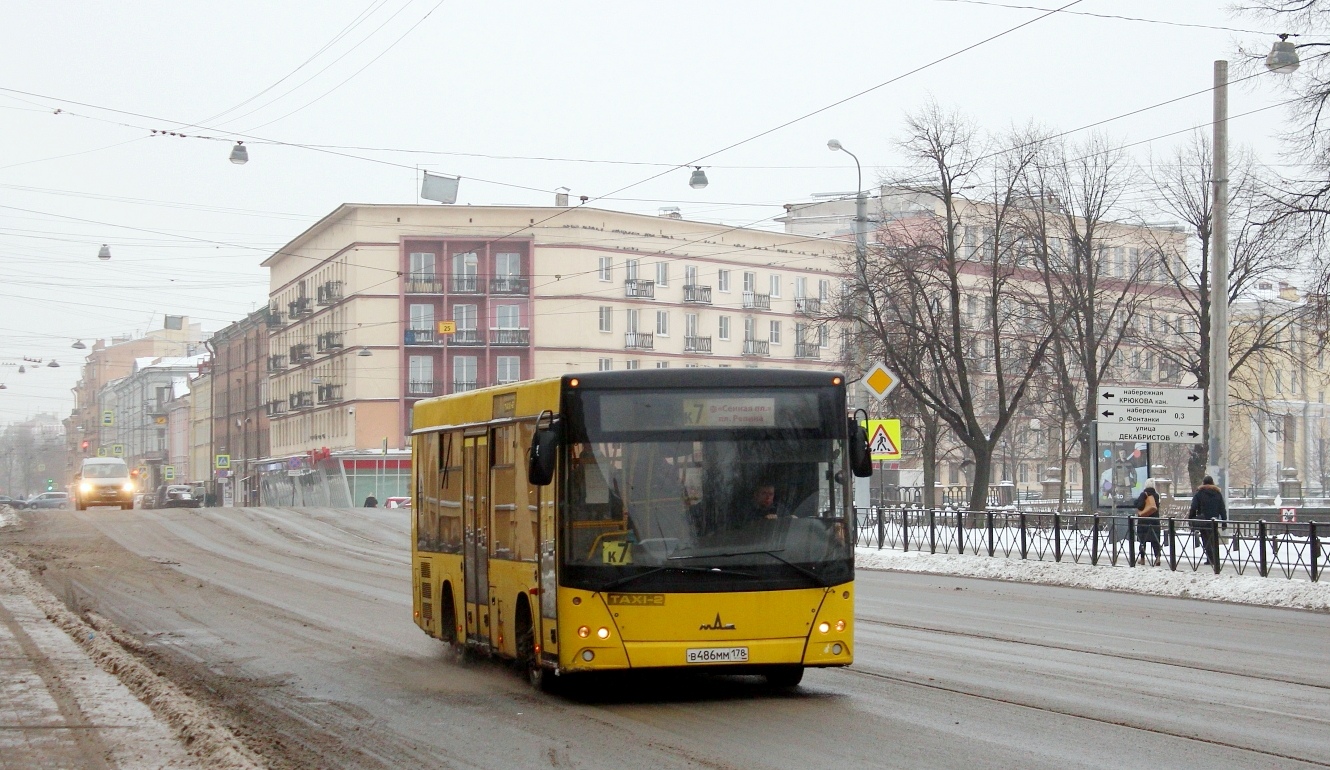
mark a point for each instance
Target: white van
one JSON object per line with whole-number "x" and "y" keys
{"x": 103, "y": 481}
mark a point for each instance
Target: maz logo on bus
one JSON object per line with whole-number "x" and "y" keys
{"x": 716, "y": 625}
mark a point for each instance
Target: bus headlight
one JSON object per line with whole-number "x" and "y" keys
{"x": 840, "y": 625}
{"x": 824, "y": 627}
{"x": 583, "y": 632}
{"x": 603, "y": 633}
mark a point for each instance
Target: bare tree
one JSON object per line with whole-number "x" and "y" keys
{"x": 1263, "y": 247}
{"x": 947, "y": 313}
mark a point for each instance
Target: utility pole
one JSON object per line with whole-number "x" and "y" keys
{"x": 1218, "y": 396}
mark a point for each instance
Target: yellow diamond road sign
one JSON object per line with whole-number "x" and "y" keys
{"x": 880, "y": 381}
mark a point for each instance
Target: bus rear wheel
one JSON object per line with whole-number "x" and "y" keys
{"x": 785, "y": 677}
{"x": 448, "y": 618}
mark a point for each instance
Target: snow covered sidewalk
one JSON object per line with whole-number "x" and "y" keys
{"x": 1271, "y": 592}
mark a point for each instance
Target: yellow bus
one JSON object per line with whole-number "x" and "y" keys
{"x": 646, "y": 519}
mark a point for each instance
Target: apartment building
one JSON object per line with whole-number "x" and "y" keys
{"x": 135, "y": 411}
{"x": 378, "y": 306}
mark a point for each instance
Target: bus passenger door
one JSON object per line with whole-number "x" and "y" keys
{"x": 475, "y": 514}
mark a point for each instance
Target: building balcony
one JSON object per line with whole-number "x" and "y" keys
{"x": 510, "y": 337}
{"x": 807, "y": 305}
{"x": 276, "y": 408}
{"x": 299, "y": 307}
{"x": 424, "y": 388}
{"x": 330, "y": 292}
{"x": 464, "y": 284}
{"x": 697, "y": 344}
{"x": 329, "y": 394}
{"x": 300, "y": 353}
{"x": 510, "y": 284}
{"x": 330, "y": 341}
{"x": 154, "y": 455}
{"x": 424, "y": 283}
{"x": 301, "y": 399}
{"x": 636, "y": 288}
{"x": 276, "y": 363}
{"x": 757, "y": 347}
{"x": 807, "y": 350}
{"x": 422, "y": 337}
{"x": 754, "y": 301}
{"x": 462, "y": 386}
{"x": 275, "y": 318}
{"x": 466, "y": 338}
{"x": 700, "y": 295}
{"x": 639, "y": 341}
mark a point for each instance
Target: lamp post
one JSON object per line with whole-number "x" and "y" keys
{"x": 860, "y": 213}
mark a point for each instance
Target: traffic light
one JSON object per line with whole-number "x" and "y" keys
{"x": 50, "y": 485}
{"x": 84, "y": 445}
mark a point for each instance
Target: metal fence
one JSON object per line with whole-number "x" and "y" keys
{"x": 1268, "y": 549}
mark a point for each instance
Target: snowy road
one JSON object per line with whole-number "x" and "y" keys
{"x": 297, "y": 625}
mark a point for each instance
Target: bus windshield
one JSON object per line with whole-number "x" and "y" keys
{"x": 684, "y": 490}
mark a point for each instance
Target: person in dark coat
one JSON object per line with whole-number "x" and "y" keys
{"x": 1147, "y": 522}
{"x": 1207, "y": 504}
{"x": 371, "y": 502}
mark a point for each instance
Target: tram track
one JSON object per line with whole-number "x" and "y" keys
{"x": 1133, "y": 657}
{"x": 939, "y": 687}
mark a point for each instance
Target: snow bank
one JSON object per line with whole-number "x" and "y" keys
{"x": 8, "y": 517}
{"x": 1155, "y": 581}
{"x": 197, "y": 726}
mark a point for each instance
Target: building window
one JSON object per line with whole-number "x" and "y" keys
{"x": 464, "y": 373}
{"x": 422, "y": 317}
{"x": 690, "y": 325}
{"x": 465, "y": 264}
{"x": 663, "y": 323}
{"x": 510, "y": 369}
{"x": 422, "y": 263}
{"x": 508, "y": 317}
{"x": 507, "y": 265}
{"x": 465, "y": 317}
{"x": 630, "y": 321}
{"x": 775, "y": 333}
{"x": 775, "y": 285}
{"x": 632, "y": 363}
{"x": 630, "y": 269}
{"x": 662, "y": 273}
{"x": 823, "y": 289}
{"x": 723, "y": 280}
{"x": 750, "y": 281}
{"x": 723, "y": 330}
{"x": 606, "y": 318}
{"x": 800, "y": 287}
{"x": 662, "y": 364}
{"x": 604, "y": 364}
{"x": 690, "y": 275}
{"x": 606, "y": 271}
{"x": 421, "y": 374}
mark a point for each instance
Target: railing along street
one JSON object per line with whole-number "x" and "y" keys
{"x": 1268, "y": 549}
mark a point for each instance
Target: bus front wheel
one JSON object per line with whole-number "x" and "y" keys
{"x": 528, "y": 661}
{"x": 785, "y": 677}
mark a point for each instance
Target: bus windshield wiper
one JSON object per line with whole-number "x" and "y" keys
{"x": 613, "y": 584}
{"x": 773, "y": 553}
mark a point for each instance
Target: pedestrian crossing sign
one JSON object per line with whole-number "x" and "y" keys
{"x": 884, "y": 439}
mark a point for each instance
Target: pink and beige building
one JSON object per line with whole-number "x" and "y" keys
{"x": 378, "y": 306}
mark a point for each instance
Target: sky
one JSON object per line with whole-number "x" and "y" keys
{"x": 347, "y": 100}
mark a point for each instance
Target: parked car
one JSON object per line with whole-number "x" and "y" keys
{"x": 48, "y": 500}
{"x": 175, "y": 496}
{"x": 12, "y": 502}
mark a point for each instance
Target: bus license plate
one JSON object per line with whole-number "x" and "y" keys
{"x": 718, "y": 655}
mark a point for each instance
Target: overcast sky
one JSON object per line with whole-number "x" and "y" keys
{"x": 560, "y": 89}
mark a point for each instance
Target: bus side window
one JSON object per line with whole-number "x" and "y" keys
{"x": 426, "y": 502}
{"x": 503, "y": 492}
{"x": 450, "y": 492}
{"x": 528, "y": 495}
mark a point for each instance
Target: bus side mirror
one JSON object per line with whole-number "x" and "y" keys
{"x": 540, "y": 458}
{"x": 861, "y": 460}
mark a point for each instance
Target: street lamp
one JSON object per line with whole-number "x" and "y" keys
{"x": 860, "y": 212}
{"x": 104, "y": 253}
{"x": 1283, "y": 59}
{"x": 699, "y": 178}
{"x": 239, "y": 155}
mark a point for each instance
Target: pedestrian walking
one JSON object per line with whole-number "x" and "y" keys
{"x": 371, "y": 502}
{"x": 1207, "y": 504}
{"x": 1147, "y": 522}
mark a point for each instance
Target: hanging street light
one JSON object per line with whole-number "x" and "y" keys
{"x": 78, "y": 345}
{"x": 239, "y": 154}
{"x": 53, "y": 364}
{"x": 699, "y": 178}
{"x": 22, "y": 369}
{"x": 365, "y": 352}
{"x": 104, "y": 253}
{"x": 1283, "y": 57}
